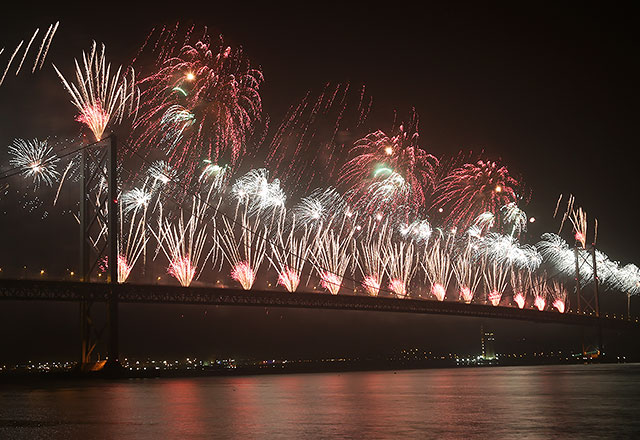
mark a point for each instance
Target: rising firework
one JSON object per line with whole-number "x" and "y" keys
{"x": 36, "y": 160}
{"x": 472, "y": 189}
{"x": 100, "y": 97}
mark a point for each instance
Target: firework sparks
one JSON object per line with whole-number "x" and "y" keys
{"x": 132, "y": 240}
{"x": 389, "y": 171}
{"x": 325, "y": 121}
{"x": 559, "y": 295}
{"x": 162, "y": 173}
{"x": 183, "y": 243}
{"x": 289, "y": 254}
{"x": 372, "y": 259}
{"x": 472, "y": 189}
{"x": 467, "y": 272}
{"x": 400, "y": 264}
{"x": 36, "y": 159}
{"x": 332, "y": 255}
{"x": 496, "y": 277}
{"x": 135, "y": 199}
{"x": 539, "y": 290}
{"x": 514, "y": 219}
{"x": 101, "y": 98}
{"x": 520, "y": 284}
{"x": 436, "y": 264}
{"x": 320, "y": 207}
{"x": 244, "y": 247}
{"x": 202, "y": 102}
{"x": 260, "y": 195}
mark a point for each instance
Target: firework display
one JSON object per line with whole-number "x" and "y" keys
{"x": 36, "y": 159}
{"x": 99, "y": 96}
{"x": 323, "y": 202}
{"x": 200, "y": 101}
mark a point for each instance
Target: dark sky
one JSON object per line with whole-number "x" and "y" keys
{"x": 550, "y": 89}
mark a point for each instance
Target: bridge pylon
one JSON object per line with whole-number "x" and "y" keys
{"x": 99, "y": 248}
{"x": 588, "y": 297}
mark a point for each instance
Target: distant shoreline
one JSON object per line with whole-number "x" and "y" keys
{"x": 27, "y": 377}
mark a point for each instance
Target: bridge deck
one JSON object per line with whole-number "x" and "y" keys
{"x": 162, "y": 294}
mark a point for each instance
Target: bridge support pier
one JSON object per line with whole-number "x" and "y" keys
{"x": 99, "y": 247}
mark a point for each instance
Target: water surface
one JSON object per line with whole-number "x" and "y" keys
{"x": 564, "y": 402}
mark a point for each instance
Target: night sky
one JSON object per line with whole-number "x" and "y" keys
{"x": 551, "y": 90}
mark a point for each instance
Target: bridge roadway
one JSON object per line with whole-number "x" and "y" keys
{"x": 162, "y": 294}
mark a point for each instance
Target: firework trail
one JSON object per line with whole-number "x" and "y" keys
{"x": 496, "y": 278}
{"x": 467, "y": 270}
{"x": 36, "y": 159}
{"x": 332, "y": 254}
{"x": 289, "y": 254}
{"x": 472, "y": 189}
{"x": 101, "y": 98}
{"x": 40, "y": 57}
{"x": 520, "y": 285}
{"x": 389, "y": 171}
{"x": 400, "y": 264}
{"x": 436, "y": 264}
{"x": 133, "y": 239}
{"x": 372, "y": 259}
{"x": 183, "y": 243}
{"x": 244, "y": 248}
{"x": 311, "y": 143}
{"x": 201, "y": 102}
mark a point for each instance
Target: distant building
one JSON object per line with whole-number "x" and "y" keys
{"x": 487, "y": 342}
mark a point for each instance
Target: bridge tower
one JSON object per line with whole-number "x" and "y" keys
{"x": 99, "y": 246}
{"x": 588, "y": 298}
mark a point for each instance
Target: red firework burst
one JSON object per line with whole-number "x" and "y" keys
{"x": 386, "y": 172}
{"x": 472, "y": 189}
{"x": 201, "y": 103}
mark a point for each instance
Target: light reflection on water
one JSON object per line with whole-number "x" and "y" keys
{"x": 578, "y": 401}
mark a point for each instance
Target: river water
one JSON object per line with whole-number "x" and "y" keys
{"x": 542, "y": 402}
